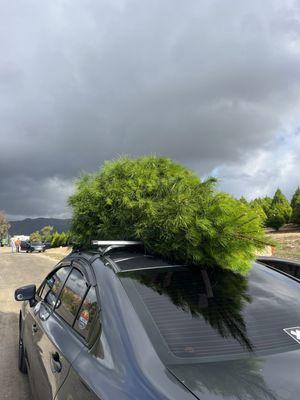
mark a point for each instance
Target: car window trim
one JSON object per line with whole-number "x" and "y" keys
{"x": 88, "y": 286}
{"x": 86, "y": 269}
{"x": 62, "y": 265}
{"x": 89, "y": 344}
{"x": 63, "y": 285}
{"x": 83, "y": 266}
{"x": 78, "y": 311}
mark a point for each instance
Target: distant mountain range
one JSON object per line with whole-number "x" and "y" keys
{"x": 29, "y": 225}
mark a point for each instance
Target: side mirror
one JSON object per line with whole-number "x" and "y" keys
{"x": 25, "y": 293}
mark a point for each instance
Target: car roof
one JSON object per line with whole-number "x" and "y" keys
{"x": 125, "y": 260}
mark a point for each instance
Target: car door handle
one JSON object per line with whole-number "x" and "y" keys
{"x": 34, "y": 328}
{"x": 56, "y": 366}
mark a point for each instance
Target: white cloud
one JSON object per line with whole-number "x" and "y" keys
{"x": 261, "y": 172}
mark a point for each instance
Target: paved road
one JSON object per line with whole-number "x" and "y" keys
{"x": 15, "y": 270}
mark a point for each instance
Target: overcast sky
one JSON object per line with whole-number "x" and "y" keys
{"x": 212, "y": 84}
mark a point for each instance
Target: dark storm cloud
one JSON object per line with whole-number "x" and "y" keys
{"x": 80, "y": 82}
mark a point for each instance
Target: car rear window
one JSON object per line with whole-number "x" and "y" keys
{"x": 204, "y": 312}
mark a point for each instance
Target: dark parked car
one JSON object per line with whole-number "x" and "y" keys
{"x": 25, "y": 246}
{"x": 47, "y": 245}
{"x": 117, "y": 324}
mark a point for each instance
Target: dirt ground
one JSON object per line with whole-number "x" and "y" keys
{"x": 15, "y": 270}
{"x": 287, "y": 244}
{"x": 58, "y": 253}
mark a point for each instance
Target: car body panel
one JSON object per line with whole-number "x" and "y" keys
{"x": 25, "y": 246}
{"x": 124, "y": 362}
{"x": 273, "y": 377}
{"x": 37, "y": 247}
{"x": 288, "y": 267}
{"x": 49, "y": 338}
{"x": 118, "y": 367}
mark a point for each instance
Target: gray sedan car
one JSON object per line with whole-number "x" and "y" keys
{"x": 117, "y": 324}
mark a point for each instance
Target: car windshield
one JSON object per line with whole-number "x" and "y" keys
{"x": 36, "y": 243}
{"x": 210, "y": 312}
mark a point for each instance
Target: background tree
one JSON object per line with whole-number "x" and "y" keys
{"x": 264, "y": 203}
{"x": 279, "y": 212}
{"x": 295, "y": 197}
{"x": 259, "y": 206}
{"x": 4, "y": 225}
{"x": 295, "y": 203}
{"x": 243, "y": 200}
{"x": 35, "y": 237}
{"x": 167, "y": 207}
{"x": 46, "y": 233}
{"x": 280, "y": 199}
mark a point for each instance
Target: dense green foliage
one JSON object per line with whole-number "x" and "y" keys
{"x": 56, "y": 239}
{"x": 4, "y": 225}
{"x": 35, "y": 237}
{"x": 167, "y": 207}
{"x": 263, "y": 204}
{"x": 295, "y": 197}
{"x": 279, "y": 212}
{"x": 295, "y": 203}
{"x": 61, "y": 239}
{"x": 46, "y": 233}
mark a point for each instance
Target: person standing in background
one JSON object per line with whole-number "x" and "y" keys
{"x": 18, "y": 245}
{"x": 13, "y": 245}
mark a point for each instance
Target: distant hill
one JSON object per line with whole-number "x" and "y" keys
{"x": 29, "y": 225}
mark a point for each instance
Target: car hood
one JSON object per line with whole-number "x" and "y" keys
{"x": 273, "y": 377}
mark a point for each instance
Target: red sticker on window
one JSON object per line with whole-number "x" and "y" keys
{"x": 83, "y": 319}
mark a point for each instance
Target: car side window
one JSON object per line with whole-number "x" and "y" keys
{"x": 53, "y": 284}
{"x": 71, "y": 296}
{"x": 87, "y": 323}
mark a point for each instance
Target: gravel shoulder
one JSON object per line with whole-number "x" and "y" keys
{"x": 15, "y": 270}
{"x": 287, "y": 244}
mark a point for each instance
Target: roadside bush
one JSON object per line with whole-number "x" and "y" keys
{"x": 55, "y": 240}
{"x": 61, "y": 239}
{"x": 167, "y": 207}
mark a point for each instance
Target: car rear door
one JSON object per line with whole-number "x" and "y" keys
{"x": 88, "y": 326}
{"x": 56, "y": 344}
